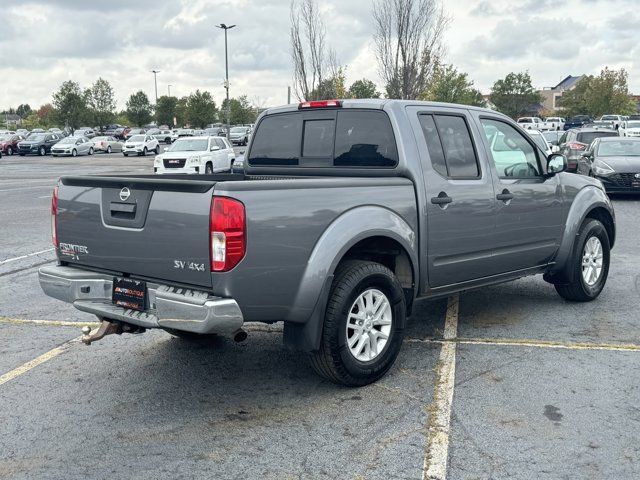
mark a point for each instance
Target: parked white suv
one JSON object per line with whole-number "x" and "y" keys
{"x": 163, "y": 135}
{"x": 615, "y": 120}
{"x": 140, "y": 145}
{"x": 205, "y": 155}
{"x": 630, "y": 128}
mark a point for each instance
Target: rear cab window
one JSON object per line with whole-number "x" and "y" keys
{"x": 349, "y": 138}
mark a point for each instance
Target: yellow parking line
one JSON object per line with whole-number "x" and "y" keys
{"x": 514, "y": 342}
{"x": 437, "y": 450}
{"x": 50, "y": 323}
{"x": 16, "y": 372}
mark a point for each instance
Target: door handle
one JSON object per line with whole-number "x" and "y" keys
{"x": 441, "y": 199}
{"x": 505, "y": 196}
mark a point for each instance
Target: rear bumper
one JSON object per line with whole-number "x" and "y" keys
{"x": 170, "y": 307}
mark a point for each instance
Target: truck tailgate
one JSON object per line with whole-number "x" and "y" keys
{"x": 142, "y": 226}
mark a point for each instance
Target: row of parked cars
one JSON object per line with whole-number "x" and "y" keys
{"x": 612, "y": 156}
{"x": 616, "y": 122}
{"x": 238, "y": 134}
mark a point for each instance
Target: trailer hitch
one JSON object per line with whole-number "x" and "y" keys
{"x": 108, "y": 328}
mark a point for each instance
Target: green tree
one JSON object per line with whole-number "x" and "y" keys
{"x": 514, "y": 95}
{"x": 241, "y": 111}
{"x": 363, "y": 89}
{"x": 23, "y": 110}
{"x": 101, "y": 102}
{"x": 70, "y": 105}
{"x": 139, "y": 108}
{"x": 332, "y": 87}
{"x": 181, "y": 111}
{"x": 450, "y": 86}
{"x": 599, "y": 95}
{"x": 201, "y": 109}
{"x": 166, "y": 110}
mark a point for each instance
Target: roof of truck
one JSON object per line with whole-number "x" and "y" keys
{"x": 379, "y": 103}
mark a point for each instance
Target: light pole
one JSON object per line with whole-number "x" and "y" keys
{"x": 226, "y": 67}
{"x": 169, "y": 89}
{"x": 155, "y": 81}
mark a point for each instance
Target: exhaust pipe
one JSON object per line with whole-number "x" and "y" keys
{"x": 240, "y": 336}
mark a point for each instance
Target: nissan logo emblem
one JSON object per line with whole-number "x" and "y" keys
{"x": 125, "y": 193}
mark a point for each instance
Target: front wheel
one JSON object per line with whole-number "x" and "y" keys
{"x": 109, "y": 149}
{"x": 9, "y": 151}
{"x": 144, "y": 152}
{"x": 589, "y": 264}
{"x": 208, "y": 169}
{"x": 125, "y": 154}
{"x": 157, "y": 150}
{"x": 363, "y": 326}
{"x": 42, "y": 151}
{"x": 90, "y": 150}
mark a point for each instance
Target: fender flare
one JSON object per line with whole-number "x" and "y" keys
{"x": 303, "y": 325}
{"x": 587, "y": 200}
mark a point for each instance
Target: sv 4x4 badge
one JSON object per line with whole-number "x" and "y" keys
{"x": 183, "y": 265}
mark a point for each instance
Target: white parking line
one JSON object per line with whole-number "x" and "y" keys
{"x": 24, "y": 368}
{"x": 8, "y": 260}
{"x": 437, "y": 451}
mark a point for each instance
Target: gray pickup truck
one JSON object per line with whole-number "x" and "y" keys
{"x": 347, "y": 213}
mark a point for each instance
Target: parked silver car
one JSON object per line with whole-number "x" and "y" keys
{"x": 72, "y": 146}
{"x": 106, "y": 144}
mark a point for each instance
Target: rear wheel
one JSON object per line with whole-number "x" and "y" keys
{"x": 157, "y": 150}
{"x": 363, "y": 326}
{"x": 90, "y": 150}
{"x": 208, "y": 169}
{"x": 144, "y": 152}
{"x": 9, "y": 151}
{"x": 74, "y": 153}
{"x": 109, "y": 149}
{"x": 589, "y": 264}
{"x": 125, "y": 154}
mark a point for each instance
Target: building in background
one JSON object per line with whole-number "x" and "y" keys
{"x": 551, "y": 95}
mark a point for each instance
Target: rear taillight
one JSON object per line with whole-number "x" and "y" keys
{"x": 54, "y": 217}
{"x": 228, "y": 238}
{"x": 577, "y": 146}
{"x": 320, "y": 104}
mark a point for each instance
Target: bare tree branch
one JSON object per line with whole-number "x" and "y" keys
{"x": 408, "y": 42}
{"x": 310, "y": 55}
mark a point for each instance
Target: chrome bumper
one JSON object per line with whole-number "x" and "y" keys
{"x": 170, "y": 307}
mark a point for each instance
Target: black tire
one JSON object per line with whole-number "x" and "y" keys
{"x": 90, "y": 150}
{"x": 157, "y": 149}
{"x": 9, "y": 151}
{"x": 42, "y": 151}
{"x": 74, "y": 153}
{"x": 125, "y": 154}
{"x": 579, "y": 290}
{"x": 109, "y": 149}
{"x": 208, "y": 169}
{"x": 22, "y": 154}
{"x": 334, "y": 360}
{"x": 144, "y": 152}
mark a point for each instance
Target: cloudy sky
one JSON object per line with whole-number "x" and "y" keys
{"x": 43, "y": 43}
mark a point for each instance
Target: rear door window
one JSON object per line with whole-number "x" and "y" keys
{"x": 364, "y": 139}
{"x": 588, "y": 137}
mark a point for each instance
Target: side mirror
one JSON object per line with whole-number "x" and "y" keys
{"x": 556, "y": 163}
{"x": 78, "y": 142}
{"x": 215, "y": 148}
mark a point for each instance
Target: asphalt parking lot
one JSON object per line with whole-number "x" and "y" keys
{"x": 505, "y": 382}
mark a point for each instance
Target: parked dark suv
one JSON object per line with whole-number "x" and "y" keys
{"x": 38, "y": 144}
{"x": 577, "y": 122}
{"x": 574, "y": 143}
